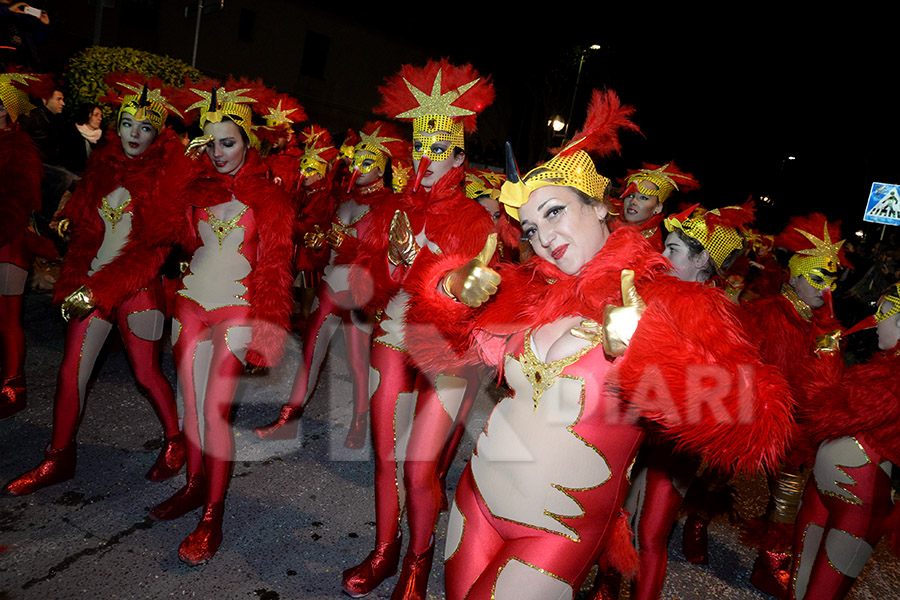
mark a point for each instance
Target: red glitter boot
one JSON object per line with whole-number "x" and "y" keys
{"x": 380, "y": 564}
{"x": 57, "y": 466}
{"x": 170, "y": 460}
{"x": 12, "y": 396}
{"x": 185, "y": 500}
{"x": 202, "y": 544}
{"x": 413, "y": 583}
{"x": 284, "y": 427}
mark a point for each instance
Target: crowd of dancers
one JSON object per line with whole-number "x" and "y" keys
{"x": 642, "y": 352}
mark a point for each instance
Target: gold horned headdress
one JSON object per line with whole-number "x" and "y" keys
{"x": 144, "y": 98}
{"x": 378, "y": 142}
{"x": 719, "y": 231}
{"x": 573, "y": 166}
{"x": 667, "y": 179}
{"x": 14, "y": 89}
{"x": 232, "y": 102}
{"x": 816, "y": 259}
{"x": 442, "y": 101}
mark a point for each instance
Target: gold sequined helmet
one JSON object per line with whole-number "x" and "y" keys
{"x": 573, "y": 166}
{"x": 442, "y": 101}
{"x": 280, "y": 112}
{"x": 666, "y": 178}
{"x": 345, "y": 152}
{"x": 816, "y": 257}
{"x": 144, "y": 98}
{"x": 14, "y": 89}
{"x": 719, "y": 231}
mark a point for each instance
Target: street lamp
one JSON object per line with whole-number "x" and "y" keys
{"x": 584, "y": 53}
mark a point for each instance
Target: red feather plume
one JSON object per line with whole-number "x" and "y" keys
{"x": 814, "y": 223}
{"x": 396, "y": 97}
{"x": 600, "y": 134}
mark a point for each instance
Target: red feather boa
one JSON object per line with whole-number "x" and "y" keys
{"x": 21, "y": 171}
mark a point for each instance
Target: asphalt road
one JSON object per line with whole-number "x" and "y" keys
{"x": 297, "y": 512}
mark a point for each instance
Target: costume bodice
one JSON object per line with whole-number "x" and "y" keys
{"x": 227, "y": 254}
{"x": 116, "y": 212}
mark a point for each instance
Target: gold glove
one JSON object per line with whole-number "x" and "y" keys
{"x": 589, "y": 330}
{"x": 335, "y": 238}
{"x": 313, "y": 241}
{"x": 619, "y": 322}
{"x": 829, "y": 343}
{"x": 474, "y": 282}
{"x": 403, "y": 248}
{"x": 197, "y": 145}
{"x": 62, "y": 227}
{"x": 78, "y": 304}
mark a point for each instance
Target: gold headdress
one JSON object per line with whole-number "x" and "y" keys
{"x": 573, "y": 166}
{"x": 378, "y": 142}
{"x": 813, "y": 256}
{"x": 483, "y": 183}
{"x": 667, "y": 179}
{"x": 442, "y": 100}
{"x": 220, "y": 103}
{"x": 14, "y": 98}
{"x": 892, "y": 295}
{"x": 717, "y": 230}
{"x": 401, "y": 172}
{"x": 318, "y": 151}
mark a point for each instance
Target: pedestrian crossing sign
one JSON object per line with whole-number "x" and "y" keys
{"x": 884, "y": 204}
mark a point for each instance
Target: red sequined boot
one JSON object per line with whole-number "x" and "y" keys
{"x": 57, "y": 466}
{"x": 202, "y": 544}
{"x": 380, "y": 564}
{"x": 284, "y": 427}
{"x": 170, "y": 460}
{"x": 12, "y": 396}
{"x": 185, "y": 500}
{"x": 413, "y": 583}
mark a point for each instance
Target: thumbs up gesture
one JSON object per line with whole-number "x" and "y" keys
{"x": 403, "y": 248}
{"x": 474, "y": 282}
{"x": 619, "y": 322}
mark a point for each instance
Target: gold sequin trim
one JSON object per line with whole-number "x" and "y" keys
{"x": 543, "y": 375}
{"x": 530, "y": 565}
{"x": 113, "y": 215}
{"x": 800, "y": 306}
{"x": 223, "y": 228}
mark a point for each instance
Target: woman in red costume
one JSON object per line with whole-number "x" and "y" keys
{"x": 435, "y": 221}
{"x": 233, "y": 308}
{"x": 795, "y": 332}
{"x": 282, "y": 153}
{"x": 847, "y": 502}
{"x": 539, "y": 500}
{"x": 645, "y": 191}
{"x": 379, "y": 142}
{"x": 110, "y": 277}
{"x": 315, "y": 206}
{"x": 21, "y": 171}
{"x": 701, "y": 246}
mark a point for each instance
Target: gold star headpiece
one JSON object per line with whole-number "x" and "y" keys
{"x": 667, "y": 179}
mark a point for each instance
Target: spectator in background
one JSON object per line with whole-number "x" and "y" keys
{"x": 47, "y": 127}
{"x": 82, "y": 137}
